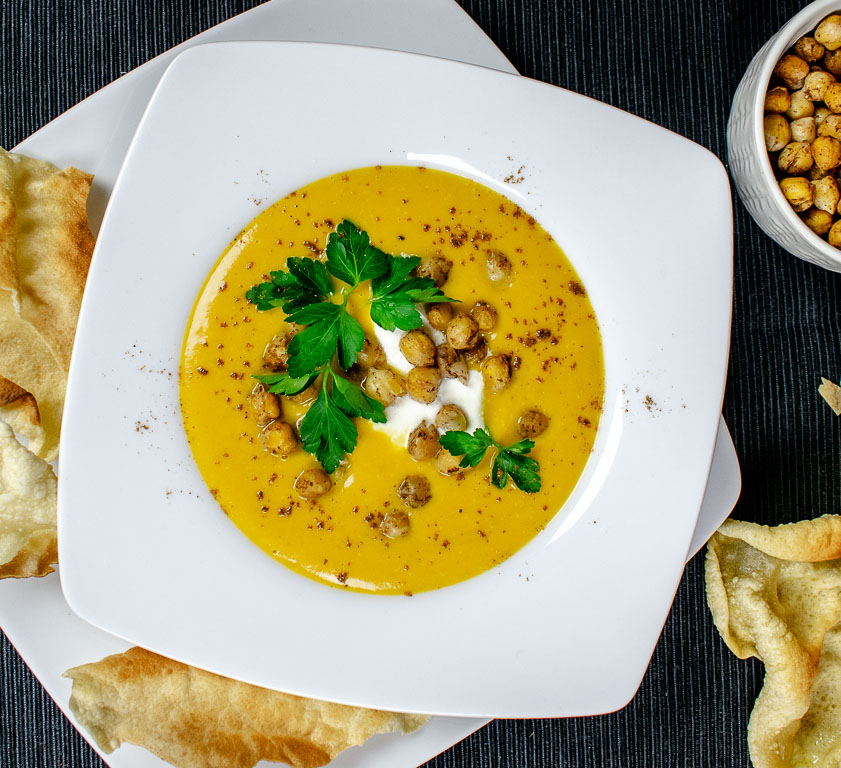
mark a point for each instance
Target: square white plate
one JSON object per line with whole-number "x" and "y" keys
{"x": 147, "y": 554}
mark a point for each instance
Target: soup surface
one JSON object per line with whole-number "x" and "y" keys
{"x": 545, "y": 325}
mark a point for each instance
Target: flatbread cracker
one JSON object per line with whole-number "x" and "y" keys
{"x": 831, "y": 392}
{"x": 194, "y": 719}
{"x": 45, "y": 251}
{"x": 27, "y": 510}
{"x": 775, "y": 593}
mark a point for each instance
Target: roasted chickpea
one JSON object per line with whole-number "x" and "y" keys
{"x": 384, "y": 385}
{"x": 804, "y": 129}
{"x": 499, "y": 266}
{"x": 826, "y": 152}
{"x": 462, "y": 332}
{"x": 814, "y": 86}
{"x": 821, "y": 113}
{"x": 451, "y": 364}
{"x": 418, "y": 348}
{"x": 800, "y": 106}
{"x": 478, "y": 352}
{"x": 820, "y": 222}
{"x": 423, "y": 442}
{"x": 423, "y": 383}
{"x": 450, "y": 418}
{"x": 826, "y": 194}
{"x": 414, "y": 491}
{"x": 808, "y": 49}
{"x": 496, "y": 371}
{"x": 795, "y": 158}
{"x": 832, "y": 62}
{"x": 485, "y": 315}
{"x": 798, "y": 191}
{"x": 449, "y": 465}
{"x": 792, "y": 70}
{"x": 777, "y": 131}
{"x": 264, "y": 405}
{"x": 437, "y": 268}
{"x": 395, "y": 524}
{"x": 832, "y": 97}
{"x": 312, "y": 483}
{"x": 372, "y": 355}
{"x": 835, "y": 234}
{"x": 830, "y": 126}
{"x": 439, "y": 315}
{"x": 777, "y": 100}
{"x": 532, "y": 423}
{"x": 276, "y": 355}
{"x": 828, "y": 33}
{"x": 279, "y": 438}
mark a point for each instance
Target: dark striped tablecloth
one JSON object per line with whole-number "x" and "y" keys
{"x": 677, "y": 63}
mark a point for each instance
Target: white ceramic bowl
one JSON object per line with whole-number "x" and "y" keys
{"x": 748, "y": 157}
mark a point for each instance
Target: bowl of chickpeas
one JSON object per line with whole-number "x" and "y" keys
{"x": 784, "y": 136}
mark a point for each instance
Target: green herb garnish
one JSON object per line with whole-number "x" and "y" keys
{"x": 508, "y": 461}
{"x": 304, "y": 294}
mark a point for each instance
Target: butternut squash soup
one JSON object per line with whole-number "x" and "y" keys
{"x": 392, "y": 379}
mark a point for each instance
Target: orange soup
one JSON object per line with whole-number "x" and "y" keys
{"x": 543, "y": 330}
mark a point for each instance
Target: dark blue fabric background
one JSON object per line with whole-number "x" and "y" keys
{"x": 677, "y": 63}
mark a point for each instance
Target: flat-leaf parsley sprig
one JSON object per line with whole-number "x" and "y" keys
{"x": 305, "y": 293}
{"x": 513, "y": 461}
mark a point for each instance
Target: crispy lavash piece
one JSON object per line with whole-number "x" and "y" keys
{"x": 195, "y": 719}
{"x": 27, "y": 510}
{"x": 831, "y": 392}
{"x": 20, "y": 411}
{"x": 45, "y": 251}
{"x": 775, "y": 593}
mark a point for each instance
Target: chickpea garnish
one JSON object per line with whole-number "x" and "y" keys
{"x": 449, "y": 465}
{"x": 777, "y": 132}
{"x": 264, "y": 405}
{"x": 809, "y": 49}
{"x": 802, "y": 129}
{"x": 835, "y": 234}
{"x": 478, "y": 352}
{"x": 414, "y": 491}
{"x": 450, "y": 418}
{"x": 795, "y": 158}
{"x": 832, "y": 62}
{"x": 418, "y": 348}
{"x": 815, "y": 84}
{"x": 423, "y": 383}
{"x": 395, "y": 524}
{"x": 792, "y": 70}
{"x": 532, "y": 423}
{"x": 496, "y": 371}
{"x": 372, "y": 355}
{"x": 384, "y": 385}
{"x": 826, "y": 152}
{"x": 832, "y": 97}
{"x": 423, "y": 442}
{"x": 462, "y": 332}
{"x": 499, "y": 266}
{"x": 830, "y": 126}
{"x": 799, "y": 192}
{"x": 821, "y": 113}
{"x": 312, "y": 483}
{"x": 485, "y": 315}
{"x": 820, "y": 222}
{"x": 279, "y": 438}
{"x": 826, "y": 194}
{"x": 439, "y": 315}
{"x": 437, "y": 268}
{"x": 828, "y": 33}
{"x": 778, "y": 100}
{"x": 276, "y": 355}
{"x": 451, "y": 364}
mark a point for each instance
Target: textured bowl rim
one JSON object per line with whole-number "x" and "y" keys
{"x": 802, "y": 22}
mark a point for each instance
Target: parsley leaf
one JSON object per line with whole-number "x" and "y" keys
{"x": 351, "y": 339}
{"x": 327, "y": 432}
{"x": 523, "y": 470}
{"x": 284, "y": 384}
{"x": 351, "y": 257}
{"x": 305, "y": 283}
{"x": 315, "y": 345}
{"x": 394, "y": 295}
{"x": 354, "y": 402}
